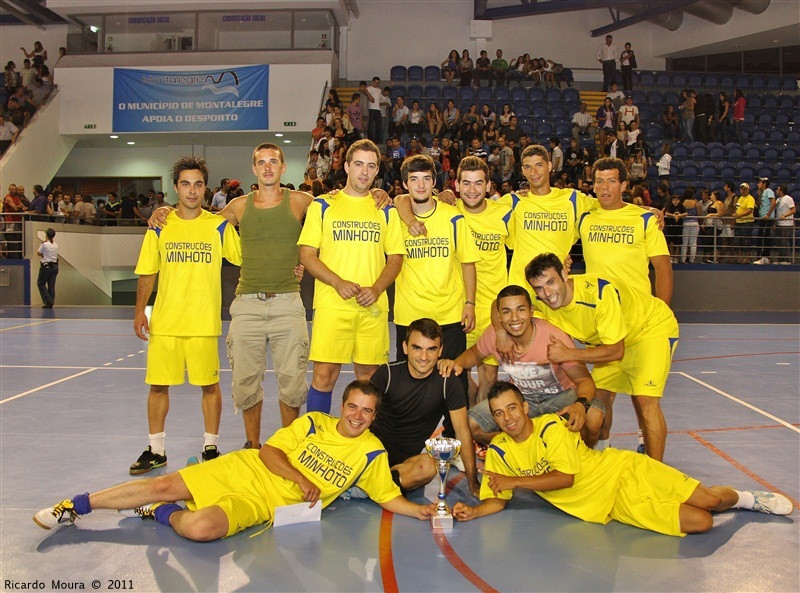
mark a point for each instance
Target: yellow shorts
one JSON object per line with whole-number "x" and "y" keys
{"x": 169, "y": 356}
{"x": 343, "y": 337}
{"x": 236, "y": 482}
{"x": 650, "y": 496}
{"x": 643, "y": 370}
{"x": 483, "y": 319}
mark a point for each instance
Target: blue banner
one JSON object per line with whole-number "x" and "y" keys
{"x": 194, "y": 101}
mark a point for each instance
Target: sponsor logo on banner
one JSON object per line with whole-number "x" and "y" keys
{"x": 192, "y": 101}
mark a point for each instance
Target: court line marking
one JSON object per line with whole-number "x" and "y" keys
{"x": 23, "y": 394}
{"x": 742, "y": 402}
{"x": 388, "y": 575}
{"x": 5, "y": 329}
{"x": 749, "y": 355}
{"x": 742, "y": 468}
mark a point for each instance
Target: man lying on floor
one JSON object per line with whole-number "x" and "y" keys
{"x": 542, "y": 455}
{"x": 315, "y": 459}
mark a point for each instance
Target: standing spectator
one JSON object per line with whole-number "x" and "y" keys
{"x": 784, "y": 225}
{"x": 483, "y": 69}
{"x": 607, "y": 55}
{"x": 606, "y": 120}
{"x": 739, "y": 104}
{"x": 664, "y": 164}
{"x": 450, "y": 67}
{"x": 11, "y": 79}
{"x": 385, "y": 103}
{"x": 766, "y": 219}
{"x": 674, "y": 213}
{"x": 127, "y": 210}
{"x": 8, "y": 133}
{"x": 701, "y": 117}
{"x": 354, "y": 113}
{"x": 627, "y": 62}
{"x": 465, "y": 68}
{"x": 220, "y": 199}
{"x": 28, "y": 74}
{"x": 374, "y": 121}
{"x": 500, "y": 69}
{"x": 744, "y": 223}
{"x": 583, "y": 123}
{"x": 13, "y": 222}
{"x": 112, "y": 209}
{"x": 48, "y": 270}
{"x": 724, "y": 117}
{"x": 687, "y": 111}
{"x": 40, "y": 205}
{"x": 556, "y": 157}
{"x": 690, "y": 229}
{"x": 38, "y": 54}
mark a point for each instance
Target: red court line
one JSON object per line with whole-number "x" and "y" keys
{"x": 388, "y": 576}
{"x": 461, "y": 566}
{"x": 749, "y": 355}
{"x": 742, "y": 468}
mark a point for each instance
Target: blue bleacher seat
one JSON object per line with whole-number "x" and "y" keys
{"x": 519, "y": 93}
{"x": 528, "y": 128}
{"x": 414, "y": 91}
{"x": 416, "y": 73}
{"x": 501, "y": 94}
{"x": 775, "y": 137}
{"x": 552, "y": 95}
{"x": 727, "y": 172}
{"x": 662, "y": 80}
{"x": 679, "y": 81}
{"x": 753, "y": 101}
{"x": 708, "y": 172}
{"x": 484, "y": 94}
{"x": 726, "y": 83}
{"x": 770, "y": 154}
{"x": 680, "y": 151}
{"x": 522, "y": 110}
{"x": 654, "y": 134}
{"x": 698, "y": 151}
{"x": 646, "y": 79}
{"x": 789, "y": 84}
{"x": 571, "y": 94}
{"x": 572, "y": 107}
{"x": 758, "y": 83}
{"x": 742, "y": 82}
{"x": 796, "y": 173}
{"x": 449, "y": 92}
{"x": 782, "y": 118}
{"x": 749, "y": 118}
{"x": 745, "y": 171}
{"x": 433, "y": 91}
{"x": 544, "y": 129}
{"x": 689, "y": 171}
{"x": 733, "y": 151}
{"x": 432, "y": 74}
{"x": 793, "y": 138}
{"x": 752, "y": 153}
{"x": 769, "y": 102}
{"x": 773, "y": 83}
{"x": 466, "y": 93}
{"x": 655, "y": 98}
{"x": 764, "y": 119}
{"x": 716, "y": 152}
{"x": 788, "y": 155}
{"x": 764, "y": 170}
{"x": 782, "y": 174}
{"x": 710, "y": 82}
{"x": 648, "y": 114}
{"x": 758, "y": 136}
{"x": 695, "y": 81}
{"x": 672, "y": 98}
{"x": 398, "y": 73}
{"x": 785, "y": 102}
{"x": 395, "y": 91}
{"x": 563, "y": 130}
{"x": 557, "y": 111}
{"x": 536, "y": 93}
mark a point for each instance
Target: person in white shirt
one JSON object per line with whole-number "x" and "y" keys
{"x": 607, "y": 55}
{"x": 784, "y": 225}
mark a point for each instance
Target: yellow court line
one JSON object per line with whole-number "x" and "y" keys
{"x": 29, "y": 324}
{"x": 13, "y": 397}
{"x": 744, "y": 403}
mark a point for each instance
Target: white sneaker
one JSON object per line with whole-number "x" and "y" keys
{"x": 458, "y": 463}
{"x": 63, "y": 512}
{"x": 761, "y": 262}
{"x": 771, "y": 503}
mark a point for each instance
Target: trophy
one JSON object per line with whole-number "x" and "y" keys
{"x": 443, "y": 450}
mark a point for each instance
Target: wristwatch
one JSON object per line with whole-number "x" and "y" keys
{"x": 584, "y": 402}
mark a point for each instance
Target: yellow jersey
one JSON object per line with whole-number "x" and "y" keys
{"x": 187, "y": 256}
{"x": 431, "y": 283}
{"x": 618, "y": 245}
{"x": 354, "y": 238}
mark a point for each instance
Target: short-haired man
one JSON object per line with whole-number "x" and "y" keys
{"x": 483, "y": 69}
{"x": 630, "y": 346}
{"x": 548, "y": 387}
{"x": 766, "y": 219}
{"x": 438, "y": 278}
{"x": 415, "y": 399}
{"x": 186, "y": 256}
{"x": 542, "y": 455}
{"x": 744, "y": 223}
{"x": 315, "y": 459}
{"x": 354, "y": 251}
{"x": 500, "y": 68}
{"x": 607, "y": 56}
{"x": 220, "y": 199}
{"x": 583, "y": 123}
{"x": 785, "y": 210}
{"x": 374, "y": 118}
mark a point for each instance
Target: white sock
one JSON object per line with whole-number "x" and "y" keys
{"x": 746, "y": 500}
{"x": 602, "y": 444}
{"x": 157, "y": 442}
{"x": 641, "y": 437}
{"x": 210, "y": 439}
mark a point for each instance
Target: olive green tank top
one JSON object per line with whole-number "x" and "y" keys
{"x": 269, "y": 248}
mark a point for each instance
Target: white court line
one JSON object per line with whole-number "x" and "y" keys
{"x": 13, "y": 397}
{"x": 5, "y": 329}
{"x": 744, "y": 403}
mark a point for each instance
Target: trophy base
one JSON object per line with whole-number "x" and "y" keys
{"x": 442, "y": 522}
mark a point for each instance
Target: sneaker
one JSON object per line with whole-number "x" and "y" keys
{"x": 210, "y": 452}
{"x": 53, "y": 516}
{"x": 148, "y": 461}
{"x": 640, "y": 448}
{"x": 761, "y": 262}
{"x": 772, "y": 503}
{"x": 480, "y": 451}
{"x": 458, "y": 463}
{"x": 249, "y": 445}
{"x": 145, "y": 512}
{"x": 192, "y": 461}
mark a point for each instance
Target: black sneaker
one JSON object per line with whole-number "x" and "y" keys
{"x": 249, "y": 445}
{"x": 210, "y": 452}
{"x": 148, "y": 461}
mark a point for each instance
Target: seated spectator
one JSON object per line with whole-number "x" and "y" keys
{"x": 40, "y": 92}
{"x": 11, "y": 78}
{"x": 414, "y": 148}
{"x": 637, "y": 167}
{"x": 434, "y": 117}
{"x": 399, "y": 116}
{"x": 490, "y": 133}
{"x": 451, "y": 118}
{"x": 548, "y": 72}
{"x": 516, "y": 70}
{"x": 450, "y": 67}
{"x": 483, "y": 69}
{"x": 583, "y": 123}
{"x": 318, "y": 131}
{"x": 27, "y": 74}
{"x": 500, "y": 69}
{"x": 513, "y": 133}
{"x": 573, "y": 163}
{"x": 476, "y": 149}
{"x": 504, "y": 119}
{"x": 8, "y": 134}
{"x": 416, "y": 120}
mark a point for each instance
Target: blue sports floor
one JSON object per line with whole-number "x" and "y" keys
{"x": 73, "y": 419}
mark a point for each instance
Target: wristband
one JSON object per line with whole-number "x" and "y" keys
{"x": 469, "y": 303}
{"x": 584, "y": 402}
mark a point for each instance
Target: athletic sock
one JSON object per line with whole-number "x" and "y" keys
{"x": 210, "y": 439}
{"x": 157, "y": 442}
{"x": 641, "y": 437}
{"x": 746, "y": 500}
{"x": 164, "y": 511}
{"x": 601, "y": 444}
{"x": 319, "y": 401}
{"x": 81, "y": 504}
